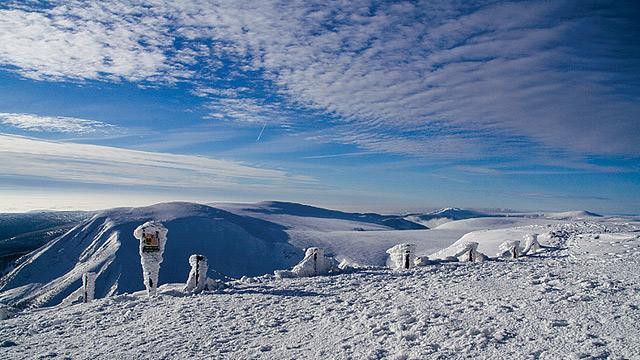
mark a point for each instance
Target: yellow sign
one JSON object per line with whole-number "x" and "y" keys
{"x": 151, "y": 242}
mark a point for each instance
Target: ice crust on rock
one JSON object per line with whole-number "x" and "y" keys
{"x": 468, "y": 252}
{"x": 197, "y": 280}
{"x": 88, "y": 286}
{"x": 151, "y": 260}
{"x": 531, "y": 244}
{"x": 402, "y": 256}
{"x": 510, "y": 249}
{"x": 315, "y": 263}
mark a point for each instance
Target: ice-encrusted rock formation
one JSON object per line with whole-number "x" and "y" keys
{"x": 198, "y": 275}
{"x": 88, "y": 286}
{"x": 510, "y": 249}
{"x": 315, "y": 263}
{"x": 153, "y": 237}
{"x": 402, "y": 256}
{"x": 468, "y": 252}
{"x": 531, "y": 244}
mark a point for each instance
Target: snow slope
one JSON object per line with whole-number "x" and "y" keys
{"x": 307, "y": 217}
{"x": 562, "y": 304}
{"x": 237, "y": 245}
{"x": 23, "y": 233}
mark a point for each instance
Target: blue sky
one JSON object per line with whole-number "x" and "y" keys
{"x": 387, "y": 106}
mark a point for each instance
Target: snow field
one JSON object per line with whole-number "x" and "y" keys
{"x": 547, "y": 306}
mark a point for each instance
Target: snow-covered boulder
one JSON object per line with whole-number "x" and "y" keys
{"x": 510, "y": 249}
{"x": 153, "y": 237}
{"x": 315, "y": 263}
{"x": 88, "y": 286}
{"x": 402, "y": 256}
{"x": 468, "y": 252}
{"x": 531, "y": 244}
{"x": 198, "y": 275}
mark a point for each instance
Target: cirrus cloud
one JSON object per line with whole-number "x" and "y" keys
{"x": 60, "y": 124}
{"x": 561, "y": 74}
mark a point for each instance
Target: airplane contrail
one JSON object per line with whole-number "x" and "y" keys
{"x": 261, "y": 131}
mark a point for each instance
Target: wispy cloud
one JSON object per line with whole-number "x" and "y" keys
{"x": 92, "y": 164}
{"x": 58, "y": 124}
{"x": 553, "y": 73}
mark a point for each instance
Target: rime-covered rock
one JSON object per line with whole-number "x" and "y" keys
{"x": 402, "y": 256}
{"x": 422, "y": 261}
{"x": 315, "y": 263}
{"x": 531, "y": 244}
{"x": 198, "y": 275}
{"x": 510, "y": 249}
{"x": 153, "y": 237}
{"x": 88, "y": 286}
{"x": 468, "y": 252}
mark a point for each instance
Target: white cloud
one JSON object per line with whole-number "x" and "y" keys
{"x": 61, "y": 124}
{"x": 520, "y": 69}
{"x": 92, "y": 164}
{"x": 83, "y": 41}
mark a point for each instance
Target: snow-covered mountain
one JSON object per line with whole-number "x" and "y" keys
{"x": 237, "y": 245}
{"x": 572, "y": 215}
{"x": 439, "y": 217}
{"x": 301, "y": 216}
{"x": 25, "y": 232}
{"x": 238, "y": 239}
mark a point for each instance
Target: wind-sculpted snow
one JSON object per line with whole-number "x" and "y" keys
{"x": 561, "y": 304}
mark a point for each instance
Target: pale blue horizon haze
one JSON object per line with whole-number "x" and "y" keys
{"x": 357, "y": 105}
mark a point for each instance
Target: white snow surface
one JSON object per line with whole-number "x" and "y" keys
{"x": 574, "y": 302}
{"x": 577, "y": 297}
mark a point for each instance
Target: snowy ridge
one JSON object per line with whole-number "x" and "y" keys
{"x": 105, "y": 245}
{"x": 301, "y": 216}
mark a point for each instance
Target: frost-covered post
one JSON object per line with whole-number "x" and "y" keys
{"x": 531, "y": 244}
{"x": 88, "y": 286}
{"x": 510, "y": 249}
{"x": 402, "y": 256}
{"x": 468, "y": 252}
{"x": 198, "y": 275}
{"x": 315, "y": 263}
{"x": 152, "y": 236}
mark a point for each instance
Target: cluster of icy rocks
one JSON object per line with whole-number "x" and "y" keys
{"x": 153, "y": 237}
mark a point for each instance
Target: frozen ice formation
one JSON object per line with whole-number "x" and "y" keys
{"x": 510, "y": 249}
{"x": 315, "y": 263}
{"x": 531, "y": 244}
{"x": 198, "y": 275}
{"x": 152, "y": 236}
{"x": 468, "y": 252}
{"x": 88, "y": 286}
{"x": 402, "y": 256}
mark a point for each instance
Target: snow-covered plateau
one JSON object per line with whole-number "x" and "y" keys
{"x": 577, "y": 296}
